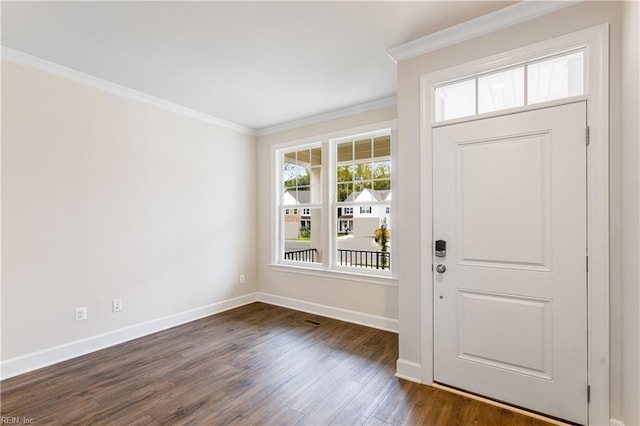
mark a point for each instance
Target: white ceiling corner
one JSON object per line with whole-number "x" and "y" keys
{"x": 40, "y": 64}
{"x": 330, "y": 115}
{"x": 257, "y": 67}
{"x": 485, "y": 24}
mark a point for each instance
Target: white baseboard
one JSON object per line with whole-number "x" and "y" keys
{"x": 616, "y": 422}
{"x": 33, "y": 361}
{"x": 409, "y": 370}
{"x": 360, "y": 318}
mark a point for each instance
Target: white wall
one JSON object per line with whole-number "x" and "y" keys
{"x": 356, "y": 296}
{"x": 624, "y": 216}
{"x": 630, "y": 76}
{"x": 107, "y": 197}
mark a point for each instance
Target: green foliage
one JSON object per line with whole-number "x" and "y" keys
{"x": 305, "y": 233}
{"x": 381, "y": 184}
{"x": 298, "y": 180}
{"x": 382, "y": 237}
{"x": 363, "y": 172}
{"x": 344, "y": 174}
{"x": 357, "y": 177}
{"x": 382, "y": 171}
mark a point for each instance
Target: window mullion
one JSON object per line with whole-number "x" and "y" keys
{"x": 328, "y": 195}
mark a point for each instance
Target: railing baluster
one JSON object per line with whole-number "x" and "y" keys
{"x": 364, "y": 258}
{"x": 301, "y": 255}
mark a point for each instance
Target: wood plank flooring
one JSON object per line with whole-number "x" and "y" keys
{"x": 254, "y": 365}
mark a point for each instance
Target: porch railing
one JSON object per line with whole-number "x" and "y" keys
{"x": 306, "y": 255}
{"x": 363, "y": 258}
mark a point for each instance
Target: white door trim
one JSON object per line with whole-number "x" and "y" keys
{"x": 596, "y": 42}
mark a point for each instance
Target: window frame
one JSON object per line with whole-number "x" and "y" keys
{"x": 280, "y": 208}
{"x": 329, "y": 220}
{"x": 476, "y": 115}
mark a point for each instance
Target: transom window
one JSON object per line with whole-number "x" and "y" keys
{"x": 342, "y": 188}
{"x": 547, "y": 79}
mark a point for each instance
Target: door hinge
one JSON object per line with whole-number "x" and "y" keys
{"x": 588, "y": 393}
{"x": 587, "y": 136}
{"x": 587, "y": 263}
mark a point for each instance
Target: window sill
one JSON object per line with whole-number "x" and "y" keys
{"x": 343, "y": 275}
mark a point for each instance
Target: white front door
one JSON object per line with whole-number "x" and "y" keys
{"x": 510, "y": 311}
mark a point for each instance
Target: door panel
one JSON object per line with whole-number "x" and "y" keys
{"x": 482, "y": 331}
{"x": 510, "y": 310}
{"x": 510, "y": 230}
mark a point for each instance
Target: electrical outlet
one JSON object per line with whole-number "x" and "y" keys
{"x": 116, "y": 305}
{"x": 242, "y": 279}
{"x": 81, "y": 313}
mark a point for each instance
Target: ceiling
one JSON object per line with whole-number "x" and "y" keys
{"x": 256, "y": 64}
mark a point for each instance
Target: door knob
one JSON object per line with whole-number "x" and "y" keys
{"x": 440, "y": 268}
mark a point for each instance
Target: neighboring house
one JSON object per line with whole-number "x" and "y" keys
{"x": 360, "y": 220}
{"x": 296, "y": 218}
{"x": 363, "y": 219}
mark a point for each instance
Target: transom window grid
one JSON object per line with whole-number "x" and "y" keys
{"x": 546, "y": 79}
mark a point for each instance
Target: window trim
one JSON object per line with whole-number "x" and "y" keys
{"x": 328, "y": 142}
{"x": 527, "y": 106}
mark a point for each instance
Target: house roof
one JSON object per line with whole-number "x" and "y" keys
{"x": 301, "y": 197}
{"x": 375, "y": 194}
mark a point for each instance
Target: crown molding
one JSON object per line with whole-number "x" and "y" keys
{"x": 494, "y": 21}
{"x": 330, "y": 115}
{"x": 58, "y": 70}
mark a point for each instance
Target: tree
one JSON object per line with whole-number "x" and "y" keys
{"x": 299, "y": 176}
{"x": 382, "y": 238}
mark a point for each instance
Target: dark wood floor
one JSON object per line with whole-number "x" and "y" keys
{"x": 255, "y": 365}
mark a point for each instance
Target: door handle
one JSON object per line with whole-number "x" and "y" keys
{"x": 440, "y": 268}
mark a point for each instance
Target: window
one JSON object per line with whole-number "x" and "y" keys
{"x": 501, "y": 90}
{"x": 363, "y": 177}
{"x": 556, "y": 78}
{"x": 350, "y": 177}
{"x": 301, "y": 177}
{"x": 547, "y": 79}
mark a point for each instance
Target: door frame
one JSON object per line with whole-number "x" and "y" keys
{"x": 595, "y": 41}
